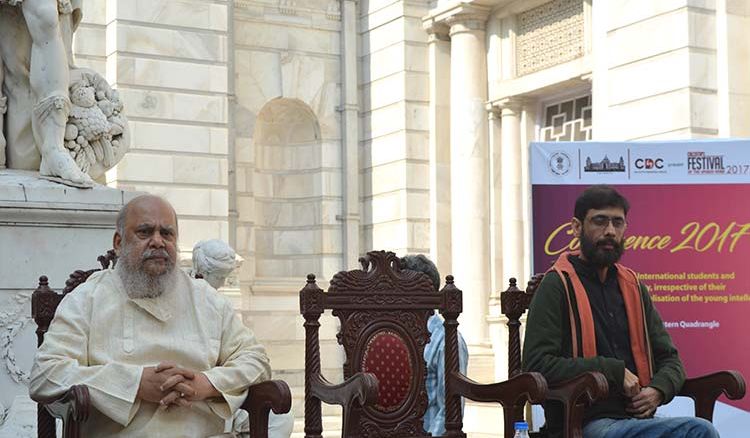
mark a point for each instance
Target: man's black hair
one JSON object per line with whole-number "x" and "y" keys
{"x": 420, "y": 263}
{"x": 599, "y": 197}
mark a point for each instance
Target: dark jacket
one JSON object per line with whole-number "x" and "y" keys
{"x": 547, "y": 349}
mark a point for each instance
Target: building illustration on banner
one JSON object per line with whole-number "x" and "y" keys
{"x": 605, "y": 165}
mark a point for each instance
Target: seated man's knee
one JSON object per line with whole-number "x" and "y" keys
{"x": 42, "y": 19}
{"x": 701, "y": 428}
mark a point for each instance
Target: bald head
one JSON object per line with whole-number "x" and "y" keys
{"x": 135, "y": 202}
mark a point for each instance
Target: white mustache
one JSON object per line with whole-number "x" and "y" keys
{"x": 152, "y": 253}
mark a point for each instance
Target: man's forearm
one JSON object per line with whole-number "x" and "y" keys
{"x": 112, "y": 387}
{"x": 204, "y": 388}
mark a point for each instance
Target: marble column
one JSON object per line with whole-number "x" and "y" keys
{"x": 470, "y": 242}
{"x": 497, "y": 283}
{"x": 350, "y": 134}
{"x": 439, "y": 48}
{"x": 511, "y": 190}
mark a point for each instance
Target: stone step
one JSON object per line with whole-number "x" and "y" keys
{"x": 278, "y": 325}
{"x": 482, "y": 367}
{"x": 286, "y": 300}
{"x": 298, "y": 405}
{"x": 481, "y": 420}
{"x": 331, "y": 425}
{"x": 290, "y": 354}
{"x": 296, "y": 378}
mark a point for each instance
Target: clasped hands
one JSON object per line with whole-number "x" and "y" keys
{"x": 168, "y": 385}
{"x": 642, "y": 401}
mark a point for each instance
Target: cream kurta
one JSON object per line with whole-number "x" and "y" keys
{"x": 103, "y": 339}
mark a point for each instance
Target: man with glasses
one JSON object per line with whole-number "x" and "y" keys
{"x": 616, "y": 331}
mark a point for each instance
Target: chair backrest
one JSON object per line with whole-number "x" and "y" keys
{"x": 44, "y": 302}
{"x": 383, "y": 312}
{"x": 514, "y": 303}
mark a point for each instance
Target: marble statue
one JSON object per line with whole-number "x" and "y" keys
{"x": 57, "y": 118}
{"x": 214, "y": 260}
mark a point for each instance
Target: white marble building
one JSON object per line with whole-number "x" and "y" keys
{"x": 307, "y": 132}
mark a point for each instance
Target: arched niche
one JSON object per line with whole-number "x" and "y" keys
{"x": 289, "y": 190}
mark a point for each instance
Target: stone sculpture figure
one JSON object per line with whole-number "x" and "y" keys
{"x": 214, "y": 260}
{"x": 67, "y": 142}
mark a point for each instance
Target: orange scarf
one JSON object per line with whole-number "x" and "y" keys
{"x": 631, "y": 293}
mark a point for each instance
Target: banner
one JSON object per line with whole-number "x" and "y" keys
{"x": 688, "y": 238}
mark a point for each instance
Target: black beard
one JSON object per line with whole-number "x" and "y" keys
{"x": 597, "y": 255}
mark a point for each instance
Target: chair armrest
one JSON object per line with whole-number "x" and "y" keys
{"x": 575, "y": 395}
{"x": 531, "y": 387}
{"x": 354, "y": 393}
{"x": 704, "y": 390}
{"x": 72, "y": 408}
{"x": 361, "y": 388}
{"x": 357, "y": 391}
{"x": 512, "y": 394}
{"x": 262, "y": 398}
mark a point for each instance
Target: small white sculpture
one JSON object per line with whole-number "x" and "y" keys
{"x": 214, "y": 260}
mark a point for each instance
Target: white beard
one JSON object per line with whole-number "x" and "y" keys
{"x": 139, "y": 284}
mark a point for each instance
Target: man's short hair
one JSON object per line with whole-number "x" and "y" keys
{"x": 599, "y": 197}
{"x": 420, "y": 263}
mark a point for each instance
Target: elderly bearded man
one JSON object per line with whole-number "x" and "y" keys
{"x": 616, "y": 330}
{"x": 163, "y": 355}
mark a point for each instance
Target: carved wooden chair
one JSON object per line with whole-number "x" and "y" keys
{"x": 577, "y": 394}
{"x": 383, "y": 312}
{"x": 74, "y": 406}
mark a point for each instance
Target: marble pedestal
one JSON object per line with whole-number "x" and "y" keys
{"x": 45, "y": 229}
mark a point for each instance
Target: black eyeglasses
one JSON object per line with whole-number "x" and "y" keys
{"x": 602, "y": 221}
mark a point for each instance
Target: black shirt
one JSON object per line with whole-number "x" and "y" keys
{"x": 608, "y": 310}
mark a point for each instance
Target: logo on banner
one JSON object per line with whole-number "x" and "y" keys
{"x": 559, "y": 163}
{"x": 605, "y": 165}
{"x": 698, "y": 163}
{"x": 650, "y": 165}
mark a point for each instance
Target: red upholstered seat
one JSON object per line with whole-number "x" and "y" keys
{"x": 387, "y": 357}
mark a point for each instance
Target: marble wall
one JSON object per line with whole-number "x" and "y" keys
{"x": 661, "y": 59}
{"x": 733, "y": 19}
{"x": 288, "y": 164}
{"x": 168, "y": 59}
{"x": 394, "y": 140}
{"x": 290, "y": 53}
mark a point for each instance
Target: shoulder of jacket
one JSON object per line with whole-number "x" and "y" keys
{"x": 85, "y": 292}
{"x": 93, "y": 283}
{"x": 553, "y": 278}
